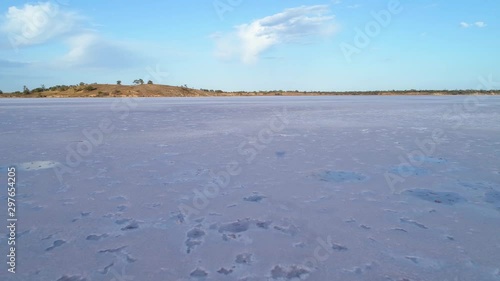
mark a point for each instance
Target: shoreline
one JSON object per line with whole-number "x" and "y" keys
{"x": 157, "y": 91}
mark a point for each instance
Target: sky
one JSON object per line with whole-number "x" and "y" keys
{"x": 334, "y": 45}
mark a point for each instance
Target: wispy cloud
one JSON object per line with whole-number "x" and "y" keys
{"x": 93, "y": 51}
{"x": 10, "y": 63}
{"x": 293, "y": 25}
{"x": 479, "y": 24}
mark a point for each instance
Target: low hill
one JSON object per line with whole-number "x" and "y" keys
{"x": 151, "y": 90}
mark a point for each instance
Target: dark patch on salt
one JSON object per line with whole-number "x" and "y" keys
{"x": 440, "y": 197}
{"x": 122, "y": 221}
{"x": 254, "y": 198}
{"x": 235, "y": 227}
{"x": 225, "y": 271}
{"x": 195, "y": 233}
{"x": 289, "y": 272}
{"x": 244, "y": 258}
{"x": 94, "y": 237}
{"x": 339, "y": 248}
{"x": 131, "y": 226}
{"x": 341, "y": 176}
{"x": 405, "y": 220}
{"x": 55, "y": 244}
{"x": 115, "y": 250}
{"x": 263, "y": 224}
{"x": 413, "y": 259}
{"x": 191, "y": 244}
{"x": 290, "y": 230}
{"x": 199, "y": 273}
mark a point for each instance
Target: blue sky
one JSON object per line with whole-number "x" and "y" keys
{"x": 252, "y": 45}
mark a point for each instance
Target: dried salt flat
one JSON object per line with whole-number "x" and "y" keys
{"x": 258, "y": 188}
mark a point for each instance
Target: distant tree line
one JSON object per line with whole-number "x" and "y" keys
{"x": 91, "y": 87}
{"x": 212, "y": 91}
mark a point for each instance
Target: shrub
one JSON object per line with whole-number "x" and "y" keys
{"x": 37, "y": 90}
{"x": 150, "y": 82}
{"x": 59, "y": 88}
{"x": 1, "y": 93}
{"x": 138, "y": 81}
{"x": 89, "y": 88}
{"x": 118, "y": 82}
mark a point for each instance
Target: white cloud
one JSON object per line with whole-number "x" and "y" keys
{"x": 293, "y": 25}
{"x": 479, "y": 24}
{"x": 41, "y": 23}
{"x": 37, "y": 23}
{"x": 92, "y": 51}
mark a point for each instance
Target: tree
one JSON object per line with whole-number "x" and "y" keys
{"x": 26, "y": 91}
{"x": 118, "y": 82}
{"x": 138, "y": 81}
{"x": 82, "y": 84}
{"x": 1, "y": 93}
{"x": 150, "y": 82}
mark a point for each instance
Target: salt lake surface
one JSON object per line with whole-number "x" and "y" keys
{"x": 256, "y": 188}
